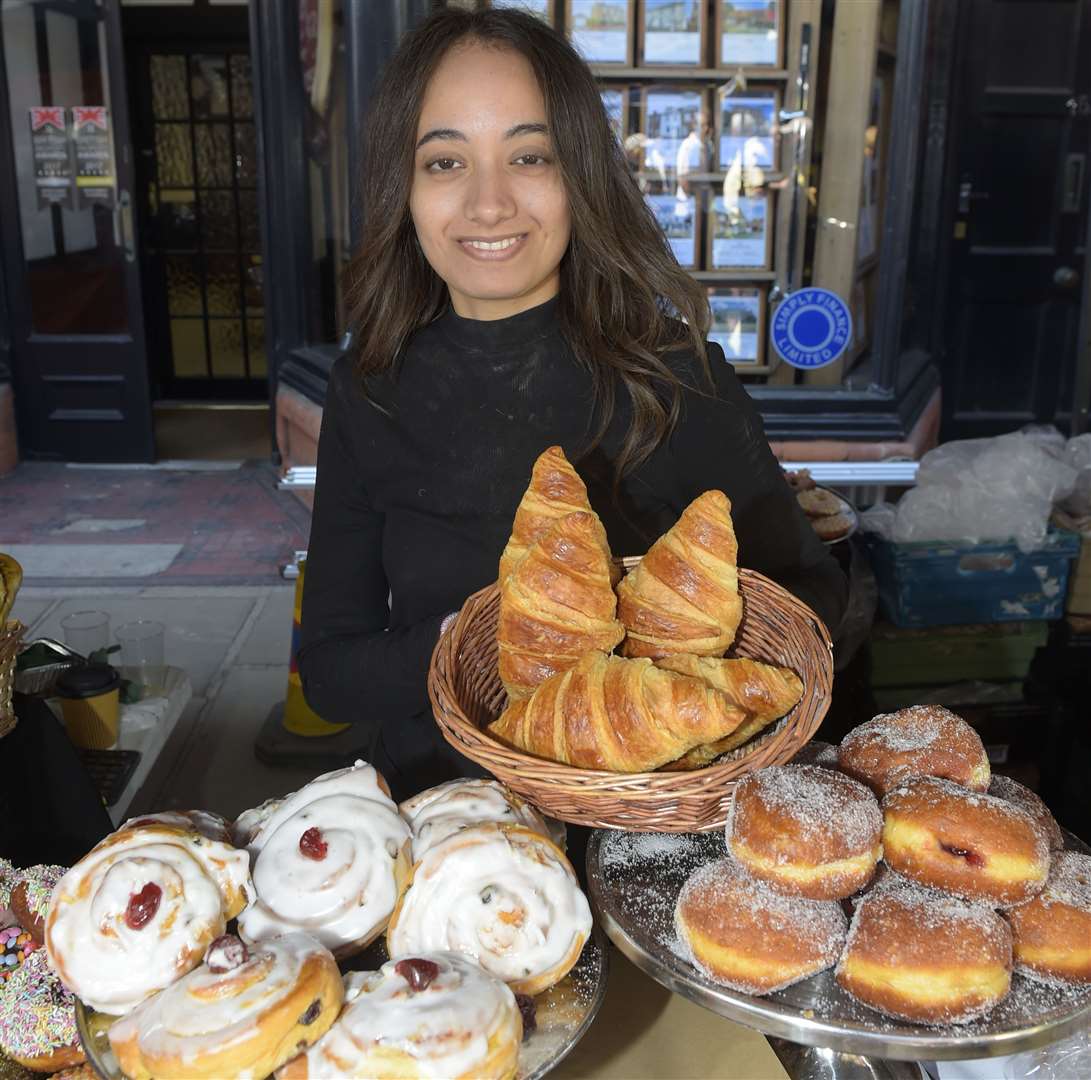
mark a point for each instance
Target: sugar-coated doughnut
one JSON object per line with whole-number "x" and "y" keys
{"x": 38, "y": 1018}
{"x": 742, "y": 934}
{"x": 424, "y": 1016}
{"x": 805, "y": 830}
{"x": 330, "y": 860}
{"x": 974, "y": 845}
{"x": 30, "y": 897}
{"x": 244, "y": 1012}
{"x": 442, "y": 811}
{"x": 923, "y": 740}
{"x": 921, "y": 955}
{"x": 1052, "y": 932}
{"x": 502, "y": 894}
{"x": 1004, "y": 787}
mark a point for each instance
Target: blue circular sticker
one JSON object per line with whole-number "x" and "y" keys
{"x": 811, "y": 328}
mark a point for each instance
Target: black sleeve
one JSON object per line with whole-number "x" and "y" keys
{"x": 720, "y": 443}
{"x": 351, "y": 666}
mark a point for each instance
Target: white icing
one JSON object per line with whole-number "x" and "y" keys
{"x": 247, "y": 824}
{"x": 445, "y": 1028}
{"x": 205, "y": 1013}
{"x": 345, "y": 897}
{"x": 98, "y": 956}
{"x": 500, "y": 895}
{"x": 449, "y": 808}
{"x": 208, "y": 825}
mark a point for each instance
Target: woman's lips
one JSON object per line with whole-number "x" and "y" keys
{"x": 494, "y": 250}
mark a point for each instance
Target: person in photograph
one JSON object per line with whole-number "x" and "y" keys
{"x": 511, "y": 291}
{"x": 695, "y": 154}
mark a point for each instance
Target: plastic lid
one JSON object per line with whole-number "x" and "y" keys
{"x": 88, "y": 680}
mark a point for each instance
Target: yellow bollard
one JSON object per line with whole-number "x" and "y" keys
{"x": 299, "y": 717}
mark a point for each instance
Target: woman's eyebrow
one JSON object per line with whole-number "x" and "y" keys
{"x": 535, "y": 128}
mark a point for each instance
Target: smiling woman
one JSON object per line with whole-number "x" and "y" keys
{"x": 512, "y": 292}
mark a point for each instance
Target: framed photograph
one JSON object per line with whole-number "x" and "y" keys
{"x": 602, "y": 30}
{"x": 616, "y": 104}
{"x": 740, "y": 234}
{"x": 748, "y": 130}
{"x": 678, "y": 220}
{"x": 749, "y": 32}
{"x": 738, "y": 323}
{"x": 542, "y": 8}
{"x": 671, "y": 119}
{"x": 672, "y": 32}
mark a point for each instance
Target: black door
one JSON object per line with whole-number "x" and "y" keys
{"x": 1021, "y": 140}
{"x": 69, "y": 245}
{"x": 197, "y": 176}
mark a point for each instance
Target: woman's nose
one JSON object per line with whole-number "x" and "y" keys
{"x": 489, "y": 198}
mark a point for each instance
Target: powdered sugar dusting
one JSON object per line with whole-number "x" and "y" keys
{"x": 817, "y": 752}
{"x": 914, "y": 728}
{"x": 1069, "y": 881}
{"x": 1004, "y": 787}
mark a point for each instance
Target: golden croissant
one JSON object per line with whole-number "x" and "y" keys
{"x": 615, "y": 714}
{"x": 762, "y": 692}
{"x": 556, "y": 604}
{"x": 555, "y": 491}
{"x": 683, "y": 597}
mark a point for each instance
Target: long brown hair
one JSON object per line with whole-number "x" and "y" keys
{"x": 624, "y": 301}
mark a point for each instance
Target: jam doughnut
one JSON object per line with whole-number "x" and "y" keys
{"x": 742, "y": 934}
{"x": 805, "y": 830}
{"x": 923, "y": 740}
{"x": 38, "y": 1018}
{"x": 920, "y": 955}
{"x": 976, "y": 846}
{"x": 1052, "y": 932}
{"x": 30, "y": 897}
{"x": 1004, "y": 787}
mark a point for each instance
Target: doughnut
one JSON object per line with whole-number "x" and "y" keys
{"x": 442, "y": 811}
{"x": 805, "y": 830}
{"x": 1052, "y": 932}
{"x": 16, "y": 944}
{"x": 976, "y": 846}
{"x": 817, "y": 502}
{"x": 330, "y": 860}
{"x": 741, "y": 933}
{"x": 920, "y": 955}
{"x": 8, "y": 876}
{"x": 437, "y": 1014}
{"x": 817, "y": 752}
{"x": 501, "y": 894}
{"x": 923, "y": 740}
{"x": 139, "y": 911}
{"x": 243, "y": 1012}
{"x": 831, "y": 527}
{"x": 77, "y": 1072}
{"x": 30, "y": 897}
{"x": 38, "y": 1018}
{"x": 1004, "y": 787}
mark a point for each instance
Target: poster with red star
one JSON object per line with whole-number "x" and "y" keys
{"x": 49, "y": 147}
{"x": 94, "y": 151}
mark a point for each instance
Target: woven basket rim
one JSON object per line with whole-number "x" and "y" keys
{"x": 466, "y": 737}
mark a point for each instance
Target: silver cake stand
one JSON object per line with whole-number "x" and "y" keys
{"x": 634, "y": 880}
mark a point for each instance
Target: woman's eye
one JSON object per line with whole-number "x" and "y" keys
{"x": 442, "y": 165}
{"x": 532, "y": 159}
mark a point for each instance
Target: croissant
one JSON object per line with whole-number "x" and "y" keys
{"x": 615, "y": 714}
{"x": 556, "y": 604}
{"x": 683, "y": 597}
{"x": 555, "y": 491}
{"x": 762, "y": 692}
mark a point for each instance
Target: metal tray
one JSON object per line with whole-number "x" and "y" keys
{"x": 634, "y": 880}
{"x": 565, "y": 1012}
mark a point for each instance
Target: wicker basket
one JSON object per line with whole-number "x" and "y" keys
{"x": 467, "y": 694}
{"x": 11, "y": 633}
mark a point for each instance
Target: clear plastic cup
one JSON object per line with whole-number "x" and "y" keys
{"x": 86, "y": 631}
{"x": 142, "y": 653}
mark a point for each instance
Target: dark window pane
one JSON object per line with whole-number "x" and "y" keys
{"x": 208, "y": 85}
{"x": 222, "y": 284}
{"x": 242, "y": 94}
{"x": 246, "y": 154}
{"x": 255, "y": 336}
{"x": 187, "y": 340}
{"x": 252, "y": 282}
{"x": 178, "y": 215}
{"x": 169, "y": 98}
{"x": 174, "y": 155}
{"x": 228, "y": 356}
{"x": 248, "y": 219}
{"x": 183, "y": 285}
{"x": 218, "y": 221}
{"x": 213, "y": 155}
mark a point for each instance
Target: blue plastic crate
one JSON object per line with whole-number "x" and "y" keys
{"x": 942, "y": 583}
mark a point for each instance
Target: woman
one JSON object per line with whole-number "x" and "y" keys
{"x": 510, "y": 294}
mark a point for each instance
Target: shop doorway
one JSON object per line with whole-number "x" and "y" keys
{"x": 1021, "y": 175}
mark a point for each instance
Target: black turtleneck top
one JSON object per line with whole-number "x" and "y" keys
{"x": 414, "y": 504}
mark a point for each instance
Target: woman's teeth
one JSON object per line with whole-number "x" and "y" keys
{"x": 495, "y": 245}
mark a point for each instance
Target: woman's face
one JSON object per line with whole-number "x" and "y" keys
{"x": 487, "y": 198}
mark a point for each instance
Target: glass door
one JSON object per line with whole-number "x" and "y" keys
{"x": 77, "y": 333}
